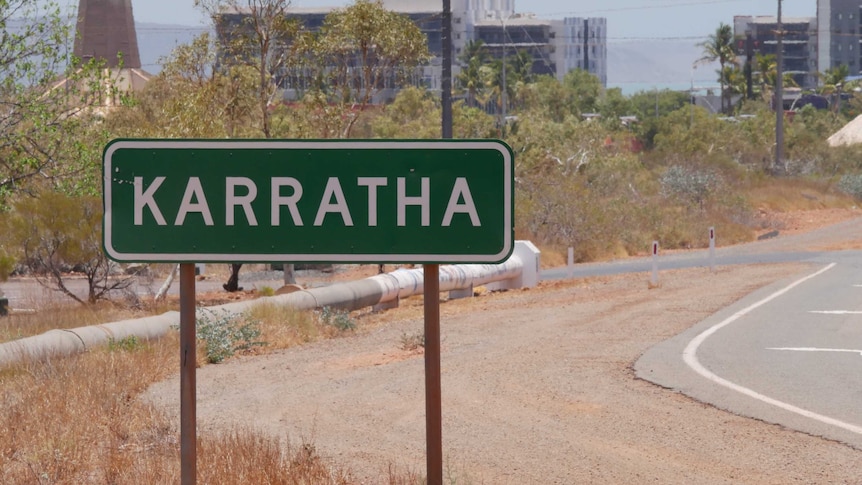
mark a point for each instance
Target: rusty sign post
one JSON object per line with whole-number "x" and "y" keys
{"x": 188, "y": 376}
{"x": 433, "y": 393}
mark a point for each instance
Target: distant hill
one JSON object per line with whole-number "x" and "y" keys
{"x": 658, "y": 62}
{"x": 156, "y": 41}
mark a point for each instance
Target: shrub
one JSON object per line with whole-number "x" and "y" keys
{"x": 225, "y": 334}
{"x": 851, "y": 184}
{"x": 7, "y": 265}
{"x": 410, "y": 342}
{"x": 54, "y": 233}
{"x": 339, "y": 319}
{"x": 691, "y": 186}
{"x": 128, "y": 344}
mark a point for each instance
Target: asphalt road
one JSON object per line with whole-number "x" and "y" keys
{"x": 789, "y": 354}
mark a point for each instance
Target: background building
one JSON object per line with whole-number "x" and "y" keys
{"x": 556, "y": 46}
{"x": 839, "y": 27}
{"x": 799, "y": 43}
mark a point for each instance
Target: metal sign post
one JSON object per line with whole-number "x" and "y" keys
{"x": 188, "y": 361}
{"x": 433, "y": 393}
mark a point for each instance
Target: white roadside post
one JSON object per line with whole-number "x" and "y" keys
{"x": 571, "y": 262}
{"x": 712, "y": 250}
{"x": 654, "y": 278}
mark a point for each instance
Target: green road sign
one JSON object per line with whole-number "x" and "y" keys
{"x": 435, "y": 201}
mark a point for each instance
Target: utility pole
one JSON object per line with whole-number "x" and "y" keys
{"x": 446, "y": 76}
{"x": 503, "y": 94}
{"x": 779, "y": 97}
{"x": 749, "y": 53}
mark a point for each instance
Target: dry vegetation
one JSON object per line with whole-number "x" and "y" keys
{"x": 78, "y": 419}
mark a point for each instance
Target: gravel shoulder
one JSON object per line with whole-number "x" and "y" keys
{"x": 538, "y": 387}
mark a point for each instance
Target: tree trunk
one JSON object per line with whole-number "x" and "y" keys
{"x": 163, "y": 290}
{"x": 289, "y": 274}
{"x": 232, "y": 284}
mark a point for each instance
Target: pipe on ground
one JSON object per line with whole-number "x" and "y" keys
{"x": 352, "y": 295}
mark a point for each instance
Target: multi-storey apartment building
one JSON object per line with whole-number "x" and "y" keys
{"x": 556, "y": 46}
{"x": 839, "y": 28}
{"x": 582, "y": 43}
{"x": 799, "y": 43}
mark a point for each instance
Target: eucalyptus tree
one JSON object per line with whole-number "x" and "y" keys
{"x": 587, "y": 90}
{"x": 362, "y": 49}
{"x": 192, "y": 97}
{"x": 257, "y": 34}
{"x": 719, "y": 47}
{"x": 43, "y": 98}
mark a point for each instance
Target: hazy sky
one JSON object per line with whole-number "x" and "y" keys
{"x": 627, "y": 19}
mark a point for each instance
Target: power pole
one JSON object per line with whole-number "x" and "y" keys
{"x": 503, "y": 94}
{"x": 749, "y": 53}
{"x": 446, "y": 76}
{"x": 779, "y": 97}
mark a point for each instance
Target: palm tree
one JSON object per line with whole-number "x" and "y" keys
{"x": 472, "y": 58}
{"x": 719, "y": 47}
{"x": 833, "y": 81}
{"x": 766, "y": 70}
{"x": 766, "y": 73}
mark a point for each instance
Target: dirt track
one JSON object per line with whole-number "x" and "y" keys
{"x": 537, "y": 388}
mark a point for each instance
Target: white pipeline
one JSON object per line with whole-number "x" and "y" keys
{"x": 352, "y": 295}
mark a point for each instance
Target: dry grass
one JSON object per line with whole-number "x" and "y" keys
{"x": 56, "y": 316}
{"x": 79, "y": 419}
{"x": 284, "y": 327}
{"x": 792, "y": 194}
{"x": 76, "y": 420}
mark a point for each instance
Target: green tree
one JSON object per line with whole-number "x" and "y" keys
{"x": 548, "y": 96}
{"x": 833, "y": 78}
{"x": 193, "y": 97}
{"x": 44, "y": 98}
{"x": 469, "y": 79}
{"x": 586, "y": 88}
{"x": 363, "y": 49}
{"x": 833, "y": 81}
{"x": 719, "y": 47}
{"x": 415, "y": 113}
{"x": 54, "y": 233}
{"x": 612, "y": 105}
{"x": 260, "y": 40}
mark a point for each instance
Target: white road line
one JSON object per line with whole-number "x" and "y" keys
{"x": 689, "y": 355}
{"x": 815, "y": 349}
{"x": 836, "y": 312}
